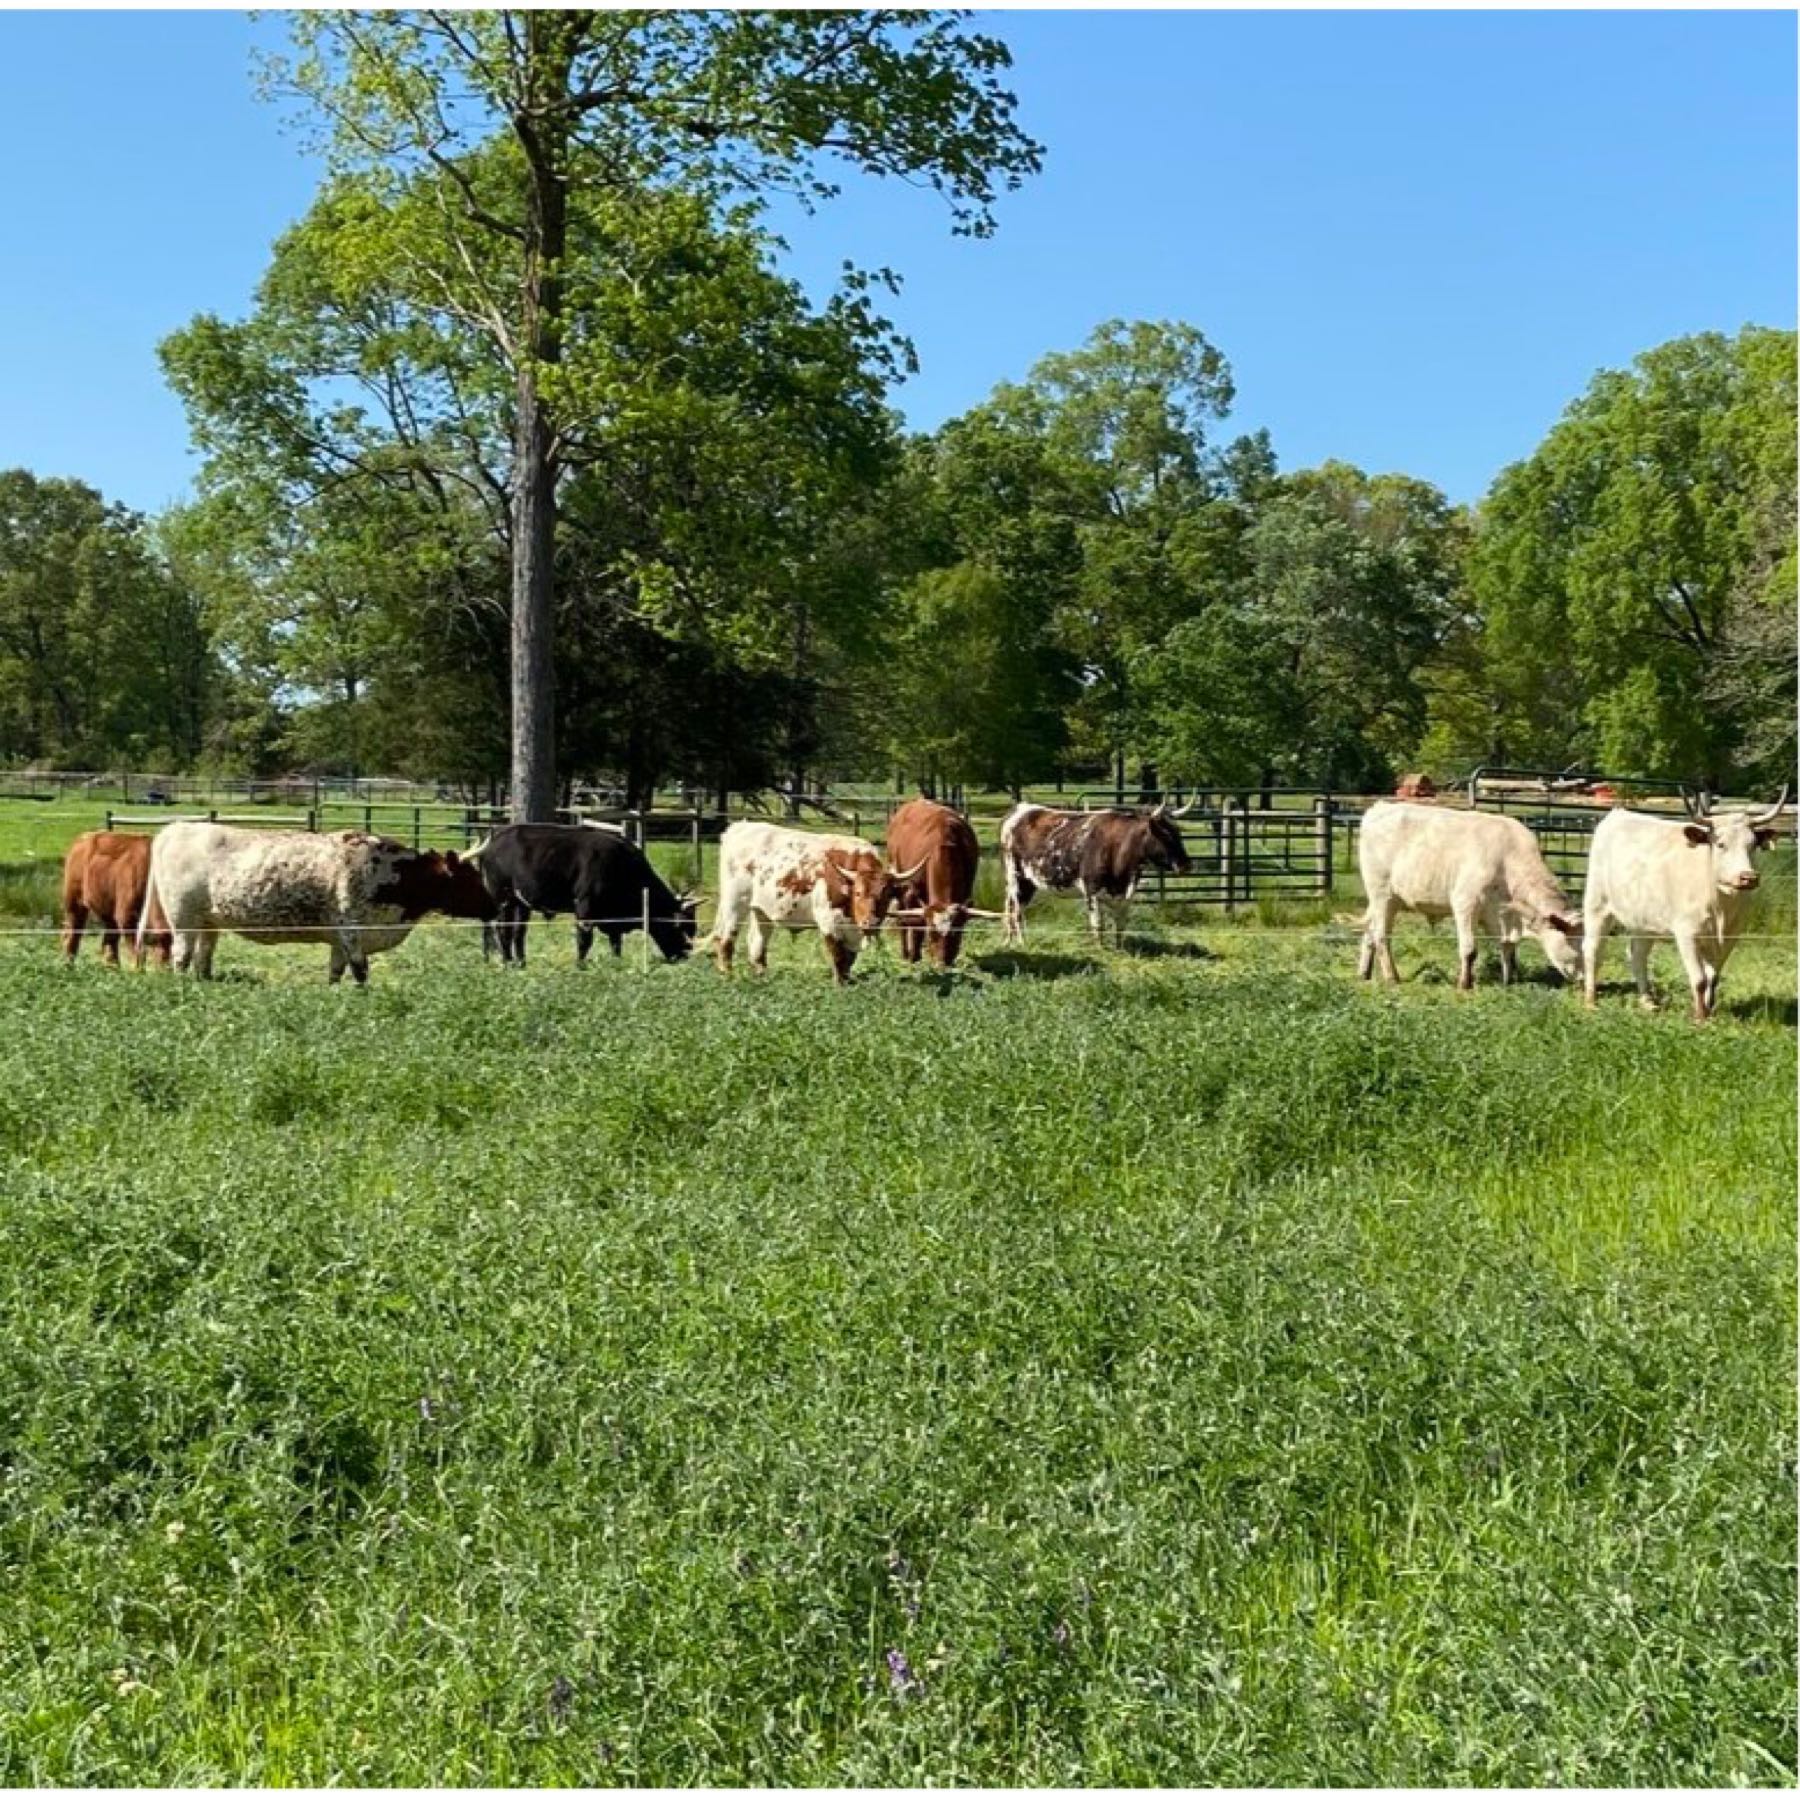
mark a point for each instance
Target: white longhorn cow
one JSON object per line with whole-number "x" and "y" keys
{"x": 1687, "y": 879}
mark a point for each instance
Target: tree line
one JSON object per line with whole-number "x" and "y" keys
{"x": 529, "y": 465}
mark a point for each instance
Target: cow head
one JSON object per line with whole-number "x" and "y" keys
{"x": 422, "y": 881}
{"x": 676, "y": 928}
{"x": 856, "y": 883}
{"x": 1734, "y": 838}
{"x": 1560, "y": 934}
{"x": 1165, "y": 846}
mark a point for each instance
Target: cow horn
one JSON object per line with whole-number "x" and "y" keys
{"x": 900, "y": 876}
{"x": 1769, "y": 814}
{"x": 1696, "y": 802}
{"x": 1181, "y": 812}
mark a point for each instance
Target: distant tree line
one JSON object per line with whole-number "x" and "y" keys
{"x": 756, "y": 576}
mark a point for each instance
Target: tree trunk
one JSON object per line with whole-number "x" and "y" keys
{"x": 533, "y": 596}
{"x": 1119, "y": 777}
{"x": 534, "y": 468}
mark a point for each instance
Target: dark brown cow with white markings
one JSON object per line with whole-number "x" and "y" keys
{"x": 938, "y": 847}
{"x": 1101, "y": 855}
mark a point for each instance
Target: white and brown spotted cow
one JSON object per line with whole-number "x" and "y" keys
{"x": 1099, "y": 854}
{"x": 357, "y": 893}
{"x": 770, "y": 875}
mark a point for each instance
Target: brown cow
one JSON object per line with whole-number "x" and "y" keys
{"x": 937, "y": 846}
{"x": 104, "y": 878}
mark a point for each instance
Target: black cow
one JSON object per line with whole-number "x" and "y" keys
{"x": 1101, "y": 854}
{"x": 600, "y": 876}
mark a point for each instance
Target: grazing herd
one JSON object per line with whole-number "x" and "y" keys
{"x": 173, "y": 895}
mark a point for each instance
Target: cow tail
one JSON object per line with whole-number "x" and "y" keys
{"x": 143, "y": 924}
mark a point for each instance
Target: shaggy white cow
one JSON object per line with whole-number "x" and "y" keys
{"x": 1476, "y": 868}
{"x": 1687, "y": 879}
{"x": 357, "y": 893}
{"x": 772, "y": 876}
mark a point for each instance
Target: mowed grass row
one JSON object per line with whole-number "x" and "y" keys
{"x": 1191, "y": 1367}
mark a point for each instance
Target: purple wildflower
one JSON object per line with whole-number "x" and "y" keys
{"x": 901, "y": 1679}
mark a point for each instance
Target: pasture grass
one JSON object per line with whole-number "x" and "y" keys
{"x": 1181, "y": 1367}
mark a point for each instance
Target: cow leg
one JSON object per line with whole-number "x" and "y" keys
{"x": 109, "y": 942}
{"x": 1698, "y": 974}
{"x": 1121, "y": 912}
{"x": 1019, "y": 890}
{"x": 75, "y": 917}
{"x": 518, "y": 917}
{"x": 1508, "y": 934}
{"x": 1638, "y": 949}
{"x": 839, "y": 955}
{"x": 1376, "y": 945}
{"x": 617, "y": 940}
{"x": 1593, "y": 943}
{"x": 726, "y": 926}
{"x": 759, "y": 941}
{"x": 584, "y": 941}
{"x": 335, "y": 973}
{"x": 1095, "y": 924}
{"x": 1467, "y": 948}
{"x": 207, "y": 942}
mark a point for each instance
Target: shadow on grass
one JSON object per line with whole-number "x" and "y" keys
{"x": 943, "y": 982}
{"x": 1026, "y": 965}
{"x": 1153, "y": 949}
{"x": 1763, "y": 1009}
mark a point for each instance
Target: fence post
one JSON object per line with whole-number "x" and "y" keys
{"x": 699, "y": 866}
{"x": 109, "y": 818}
{"x": 1228, "y": 851}
{"x": 415, "y": 828}
{"x": 1322, "y": 836}
{"x": 646, "y": 964}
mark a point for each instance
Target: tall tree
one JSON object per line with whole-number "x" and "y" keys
{"x": 1635, "y": 574}
{"x": 1311, "y": 666}
{"x": 354, "y": 483}
{"x": 1125, "y": 423}
{"x": 507, "y": 116}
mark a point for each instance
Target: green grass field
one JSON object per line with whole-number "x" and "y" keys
{"x": 1182, "y": 1367}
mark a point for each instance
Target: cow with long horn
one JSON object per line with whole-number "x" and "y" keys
{"x": 1687, "y": 880}
{"x": 940, "y": 847}
{"x": 1101, "y": 855}
{"x": 770, "y": 875}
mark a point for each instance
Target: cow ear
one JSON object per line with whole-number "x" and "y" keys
{"x": 452, "y": 860}
{"x": 1567, "y": 926}
{"x": 1697, "y": 834}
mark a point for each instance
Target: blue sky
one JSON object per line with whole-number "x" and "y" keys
{"x": 1415, "y": 236}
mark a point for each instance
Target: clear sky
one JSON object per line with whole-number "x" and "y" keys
{"x": 1414, "y": 235}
